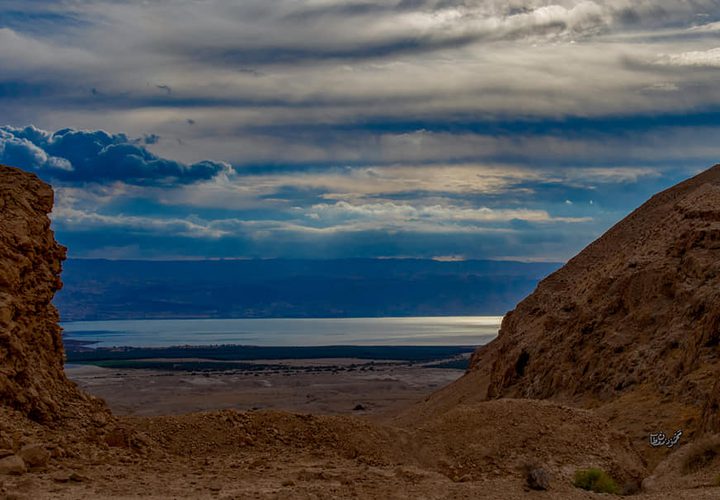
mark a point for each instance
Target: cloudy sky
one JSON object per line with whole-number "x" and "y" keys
{"x": 517, "y": 129}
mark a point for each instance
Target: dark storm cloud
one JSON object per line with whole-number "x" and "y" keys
{"x": 19, "y": 89}
{"x": 242, "y": 56}
{"x": 151, "y": 139}
{"x": 81, "y": 156}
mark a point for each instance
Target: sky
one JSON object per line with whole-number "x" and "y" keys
{"x": 445, "y": 129}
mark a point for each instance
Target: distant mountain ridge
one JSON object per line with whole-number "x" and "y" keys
{"x": 132, "y": 289}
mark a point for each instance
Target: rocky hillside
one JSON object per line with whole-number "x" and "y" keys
{"x": 632, "y": 322}
{"x": 56, "y": 442}
{"x": 32, "y": 379}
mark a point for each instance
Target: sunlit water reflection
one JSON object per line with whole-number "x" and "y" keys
{"x": 464, "y": 330}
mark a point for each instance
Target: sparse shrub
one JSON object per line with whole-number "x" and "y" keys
{"x": 596, "y": 480}
{"x": 537, "y": 478}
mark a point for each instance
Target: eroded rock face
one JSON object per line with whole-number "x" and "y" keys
{"x": 711, "y": 411}
{"x": 32, "y": 379}
{"x": 637, "y": 311}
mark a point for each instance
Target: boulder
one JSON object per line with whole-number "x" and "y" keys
{"x": 12, "y": 465}
{"x": 538, "y": 479}
{"x": 34, "y": 455}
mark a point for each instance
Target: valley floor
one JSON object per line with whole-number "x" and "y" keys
{"x": 325, "y": 429}
{"x": 473, "y": 452}
{"x": 325, "y": 386}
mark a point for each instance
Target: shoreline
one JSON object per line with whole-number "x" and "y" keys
{"x": 84, "y": 353}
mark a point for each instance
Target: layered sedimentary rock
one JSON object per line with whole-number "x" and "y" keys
{"x": 636, "y": 312}
{"x": 32, "y": 379}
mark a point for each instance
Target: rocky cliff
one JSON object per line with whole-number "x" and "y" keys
{"x": 32, "y": 379}
{"x": 634, "y": 318}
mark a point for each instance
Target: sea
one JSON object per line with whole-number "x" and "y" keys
{"x": 416, "y": 331}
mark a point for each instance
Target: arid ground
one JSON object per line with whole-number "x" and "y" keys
{"x": 370, "y": 389}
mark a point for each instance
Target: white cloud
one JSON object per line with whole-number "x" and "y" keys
{"x": 699, "y": 58}
{"x": 24, "y": 55}
{"x": 76, "y": 219}
{"x": 612, "y": 175}
{"x": 424, "y": 183}
{"x": 252, "y": 63}
{"x": 242, "y": 191}
{"x": 318, "y": 219}
{"x": 401, "y": 213}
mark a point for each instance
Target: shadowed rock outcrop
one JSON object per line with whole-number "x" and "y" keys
{"x": 32, "y": 379}
{"x": 635, "y": 317}
{"x": 711, "y": 411}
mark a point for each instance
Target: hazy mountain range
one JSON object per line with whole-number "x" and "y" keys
{"x": 116, "y": 289}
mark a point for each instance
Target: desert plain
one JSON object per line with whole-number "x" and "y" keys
{"x": 333, "y": 387}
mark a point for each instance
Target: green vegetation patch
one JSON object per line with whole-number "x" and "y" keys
{"x": 596, "y": 480}
{"x": 411, "y": 354}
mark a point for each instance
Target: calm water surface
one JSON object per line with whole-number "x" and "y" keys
{"x": 465, "y": 330}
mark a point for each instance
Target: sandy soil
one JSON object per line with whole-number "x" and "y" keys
{"x": 380, "y": 388}
{"x": 475, "y": 451}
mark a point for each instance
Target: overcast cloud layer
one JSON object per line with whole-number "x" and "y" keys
{"x": 417, "y": 128}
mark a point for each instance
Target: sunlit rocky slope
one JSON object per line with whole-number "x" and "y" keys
{"x": 32, "y": 379}
{"x": 629, "y": 327}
